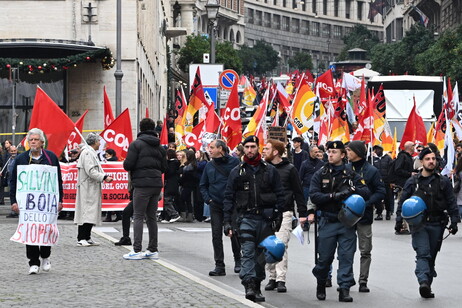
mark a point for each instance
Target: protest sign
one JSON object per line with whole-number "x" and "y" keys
{"x": 37, "y": 194}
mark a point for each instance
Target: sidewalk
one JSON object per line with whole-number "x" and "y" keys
{"x": 98, "y": 277}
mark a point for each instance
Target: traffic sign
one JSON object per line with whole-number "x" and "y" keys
{"x": 227, "y": 78}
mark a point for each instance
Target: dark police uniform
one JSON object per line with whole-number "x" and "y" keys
{"x": 436, "y": 190}
{"x": 256, "y": 193}
{"x": 329, "y": 187}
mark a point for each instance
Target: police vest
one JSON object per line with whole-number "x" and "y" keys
{"x": 254, "y": 190}
{"x": 432, "y": 194}
{"x": 331, "y": 184}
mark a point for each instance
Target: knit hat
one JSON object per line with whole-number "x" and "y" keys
{"x": 359, "y": 148}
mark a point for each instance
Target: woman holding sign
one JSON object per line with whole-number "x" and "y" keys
{"x": 38, "y": 199}
{"x": 88, "y": 199}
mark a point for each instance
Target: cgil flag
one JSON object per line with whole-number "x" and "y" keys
{"x": 118, "y": 135}
{"x": 232, "y": 127}
{"x": 108, "y": 114}
{"x": 303, "y": 109}
{"x": 52, "y": 120}
{"x": 74, "y": 138}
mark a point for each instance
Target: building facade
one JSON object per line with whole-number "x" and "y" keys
{"x": 313, "y": 26}
{"x": 54, "y": 31}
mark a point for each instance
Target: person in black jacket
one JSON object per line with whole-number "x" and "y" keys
{"x": 212, "y": 187}
{"x": 36, "y": 155}
{"x": 293, "y": 192}
{"x": 404, "y": 165}
{"x": 298, "y": 154}
{"x": 356, "y": 153}
{"x": 189, "y": 182}
{"x": 330, "y": 186}
{"x": 146, "y": 161}
{"x": 254, "y": 189}
{"x": 383, "y": 162}
{"x": 308, "y": 168}
{"x": 171, "y": 177}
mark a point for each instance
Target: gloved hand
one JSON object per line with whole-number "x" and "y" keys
{"x": 453, "y": 228}
{"x": 398, "y": 226}
{"x": 276, "y": 221}
{"x": 341, "y": 195}
{"x": 226, "y": 228}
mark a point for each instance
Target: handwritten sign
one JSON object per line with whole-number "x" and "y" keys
{"x": 37, "y": 193}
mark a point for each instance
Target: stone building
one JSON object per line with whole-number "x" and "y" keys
{"x": 314, "y": 26}
{"x": 83, "y": 32}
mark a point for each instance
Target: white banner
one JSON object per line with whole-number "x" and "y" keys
{"x": 37, "y": 194}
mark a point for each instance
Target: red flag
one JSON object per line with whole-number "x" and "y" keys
{"x": 56, "y": 125}
{"x": 180, "y": 103}
{"x": 415, "y": 129}
{"x": 74, "y": 139}
{"x": 108, "y": 115}
{"x": 194, "y": 138}
{"x": 118, "y": 135}
{"x": 325, "y": 83}
{"x": 164, "y": 133}
{"x": 232, "y": 130}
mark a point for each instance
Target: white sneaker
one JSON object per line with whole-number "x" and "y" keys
{"x": 46, "y": 264}
{"x": 133, "y": 255}
{"x": 34, "y": 269}
{"x": 165, "y": 221}
{"x": 175, "y": 219}
{"x": 150, "y": 255}
{"x": 207, "y": 219}
{"x": 92, "y": 243}
{"x": 83, "y": 243}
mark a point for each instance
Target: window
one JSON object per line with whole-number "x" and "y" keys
{"x": 295, "y": 25}
{"x": 399, "y": 29}
{"x": 305, "y": 27}
{"x": 324, "y": 7}
{"x": 258, "y": 18}
{"x": 336, "y": 8}
{"x": 325, "y": 30}
{"x": 360, "y": 10}
{"x": 347, "y": 8}
{"x": 285, "y": 23}
{"x": 277, "y": 22}
{"x": 250, "y": 16}
{"x": 338, "y": 32}
{"x": 314, "y": 7}
{"x": 267, "y": 20}
{"x": 315, "y": 28}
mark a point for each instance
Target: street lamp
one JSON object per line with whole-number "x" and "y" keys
{"x": 212, "y": 8}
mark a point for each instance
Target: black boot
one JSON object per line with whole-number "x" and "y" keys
{"x": 329, "y": 283}
{"x": 124, "y": 241}
{"x": 425, "y": 290}
{"x": 363, "y": 288}
{"x": 388, "y": 216}
{"x": 250, "y": 290}
{"x": 258, "y": 296}
{"x": 344, "y": 296}
{"x": 321, "y": 291}
{"x": 281, "y": 287}
{"x": 237, "y": 266}
{"x": 218, "y": 271}
{"x": 271, "y": 285}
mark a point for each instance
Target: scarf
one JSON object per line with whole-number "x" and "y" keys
{"x": 253, "y": 162}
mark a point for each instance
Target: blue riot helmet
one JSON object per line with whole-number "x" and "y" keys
{"x": 413, "y": 211}
{"x": 274, "y": 249}
{"x": 352, "y": 210}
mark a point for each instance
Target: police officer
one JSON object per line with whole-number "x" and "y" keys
{"x": 331, "y": 185}
{"x": 439, "y": 198}
{"x": 254, "y": 189}
{"x": 356, "y": 153}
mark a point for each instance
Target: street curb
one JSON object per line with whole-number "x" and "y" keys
{"x": 189, "y": 276}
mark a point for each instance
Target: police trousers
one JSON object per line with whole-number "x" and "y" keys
{"x": 278, "y": 271}
{"x": 252, "y": 230}
{"x": 331, "y": 234}
{"x": 426, "y": 243}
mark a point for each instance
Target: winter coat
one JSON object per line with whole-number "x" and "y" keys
{"x": 308, "y": 168}
{"x": 383, "y": 165}
{"x": 48, "y": 158}
{"x": 171, "y": 187}
{"x": 404, "y": 166}
{"x": 213, "y": 182}
{"x": 88, "y": 200}
{"x": 146, "y": 160}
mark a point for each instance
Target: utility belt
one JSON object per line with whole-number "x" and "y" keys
{"x": 330, "y": 217}
{"x": 442, "y": 218}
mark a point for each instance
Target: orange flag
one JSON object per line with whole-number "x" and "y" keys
{"x": 56, "y": 125}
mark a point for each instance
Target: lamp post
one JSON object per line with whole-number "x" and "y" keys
{"x": 212, "y": 8}
{"x": 118, "y": 73}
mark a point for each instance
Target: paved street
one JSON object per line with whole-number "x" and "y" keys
{"x": 98, "y": 276}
